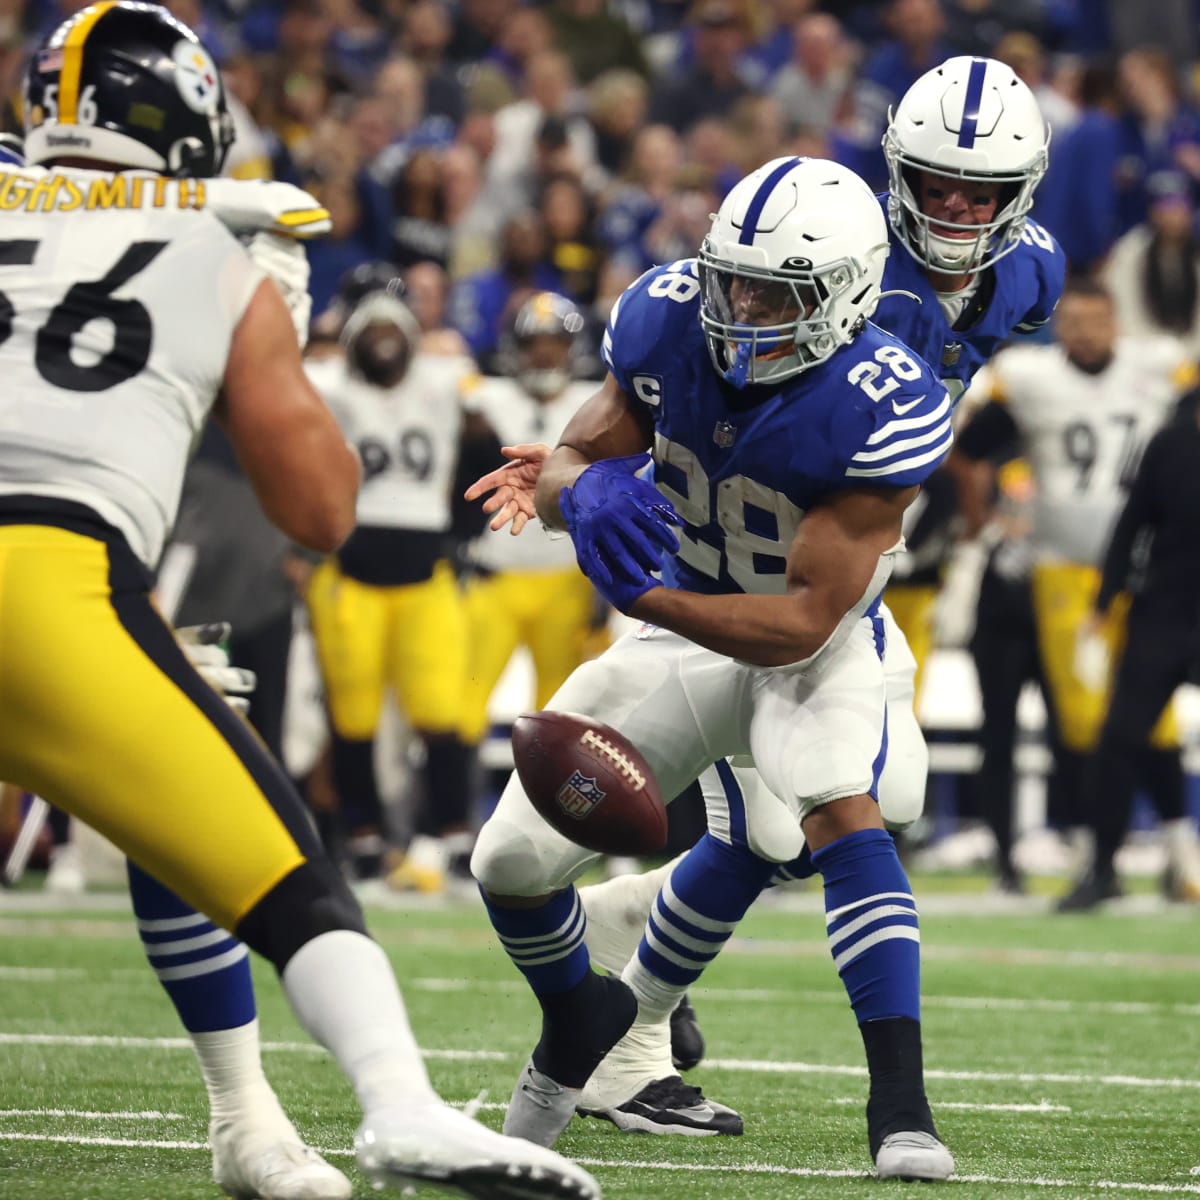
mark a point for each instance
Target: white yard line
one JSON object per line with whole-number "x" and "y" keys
{"x": 1107, "y": 1185}
{"x": 178, "y": 1043}
{"x": 1117, "y": 1008}
{"x": 40, "y": 974}
{"x": 751, "y": 1066}
{"x": 85, "y": 1115}
{"x": 1043, "y": 1106}
{"x": 769, "y": 1067}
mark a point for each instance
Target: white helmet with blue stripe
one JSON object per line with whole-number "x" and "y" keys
{"x": 790, "y": 269}
{"x": 972, "y": 120}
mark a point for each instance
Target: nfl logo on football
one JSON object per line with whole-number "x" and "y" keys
{"x": 579, "y": 795}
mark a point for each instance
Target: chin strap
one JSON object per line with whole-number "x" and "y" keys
{"x": 898, "y": 292}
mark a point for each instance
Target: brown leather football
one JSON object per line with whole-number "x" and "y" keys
{"x": 589, "y": 782}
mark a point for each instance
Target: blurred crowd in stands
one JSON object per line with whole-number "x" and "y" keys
{"x": 572, "y": 144}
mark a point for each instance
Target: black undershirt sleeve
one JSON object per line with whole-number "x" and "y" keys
{"x": 989, "y": 434}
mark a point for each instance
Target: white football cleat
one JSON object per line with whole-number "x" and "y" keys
{"x": 913, "y": 1155}
{"x": 271, "y": 1164}
{"x": 435, "y": 1146}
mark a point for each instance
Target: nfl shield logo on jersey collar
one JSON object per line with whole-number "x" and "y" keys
{"x": 724, "y": 433}
{"x": 950, "y": 353}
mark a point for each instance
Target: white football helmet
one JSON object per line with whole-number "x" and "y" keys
{"x": 790, "y": 269}
{"x": 972, "y": 120}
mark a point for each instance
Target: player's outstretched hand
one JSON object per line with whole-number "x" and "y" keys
{"x": 512, "y": 486}
{"x": 203, "y": 646}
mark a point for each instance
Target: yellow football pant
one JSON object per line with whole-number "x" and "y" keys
{"x": 548, "y": 611}
{"x": 411, "y": 637}
{"x": 1063, "y": 596}
{"x": 102, "y": 714}
{"x": 912, "y": 606}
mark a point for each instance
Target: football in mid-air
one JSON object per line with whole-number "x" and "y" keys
{"x": 589, "y": 782}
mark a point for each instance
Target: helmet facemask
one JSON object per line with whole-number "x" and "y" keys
{"x": 766, "y": 325}
{"x": 991, "y": 240}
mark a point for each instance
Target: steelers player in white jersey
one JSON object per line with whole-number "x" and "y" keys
{"x": 528, "y": 591}
{"x": 1082, "y": 412}
{"x": 129, "y": 314}
{"x": 386, "y": 608}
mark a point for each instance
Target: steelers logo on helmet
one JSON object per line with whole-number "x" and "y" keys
{"x": 196, "y": 76}
{"x": 124, "y": 84}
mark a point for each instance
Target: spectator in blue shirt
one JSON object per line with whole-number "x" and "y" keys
{"x": 917, "y": 45}
{"x": 481, "y": 306}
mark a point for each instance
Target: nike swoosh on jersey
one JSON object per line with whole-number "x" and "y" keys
{"x": 901, "y": 409}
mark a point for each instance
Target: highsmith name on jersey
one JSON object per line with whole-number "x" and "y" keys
{"x": 518, "y": 417}
{"x": 1017, "y": 294}
{"x": 741, "y": 467}
{"x": 113, "y": 343}
{"x": 1084, "y": 434}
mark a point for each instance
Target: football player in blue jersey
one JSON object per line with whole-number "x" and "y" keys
{"x": 967, "y": 145}
{"x": 788, "y": 436}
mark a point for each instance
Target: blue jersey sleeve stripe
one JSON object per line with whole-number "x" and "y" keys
{"x": 907, "y": 464}
{"x": 606, "y": 348}
{"x": 884, "y": 432}
{"x": 750, "y": 224}
{"x": 970, "y": 119}
{"x": 890, "y": 451}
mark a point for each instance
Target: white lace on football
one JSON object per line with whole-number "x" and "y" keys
{"x": 621, "y": 761}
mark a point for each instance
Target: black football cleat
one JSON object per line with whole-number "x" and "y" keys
{"x": 1090, "y": 892}
{"x": 672, "y": 1106}
{"x": 687, "y": 1042}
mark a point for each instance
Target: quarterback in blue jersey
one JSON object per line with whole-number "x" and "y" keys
{"x": 788, "y": 436}
{"x": 965, "y": 148}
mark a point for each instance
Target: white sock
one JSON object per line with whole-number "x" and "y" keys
{"x": 616, "y": 915}
{"x": 342, "y": 989}
{"x": 231, "y": 1064}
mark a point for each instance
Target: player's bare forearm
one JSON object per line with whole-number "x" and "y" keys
{"x": 609, "y": 425}
{"x": 767, "y": 631}
{"x": 560, "y": 470}
{"x": 974, "y": 480}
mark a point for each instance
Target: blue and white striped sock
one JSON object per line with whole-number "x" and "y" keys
{"x": 545, "y": 943}
{"x": 204, "y": 970}
{"x": 693, "y": 916}
{"x": 871, "y": 920}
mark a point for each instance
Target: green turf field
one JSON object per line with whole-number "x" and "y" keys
{"x": 1063, "y": 1056}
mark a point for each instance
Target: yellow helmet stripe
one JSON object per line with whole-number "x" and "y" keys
{"x": 72, "y": 64}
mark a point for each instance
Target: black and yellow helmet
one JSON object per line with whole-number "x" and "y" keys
{"x": 127, "y": 83}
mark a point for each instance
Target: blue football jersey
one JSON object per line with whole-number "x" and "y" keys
{"x": 742, "y": 465}
{"x": 1016, "y": 295}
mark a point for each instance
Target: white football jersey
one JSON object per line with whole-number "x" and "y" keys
{"x": 119, "y": 297}
{"x": 518, "y": 417}
{"x": 1084, "y": 434}
{"x": 407, "y": 437}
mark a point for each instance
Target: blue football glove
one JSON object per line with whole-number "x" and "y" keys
{"x": 621, "y": 527}
{"x": 620, "y": 590}
{"x": 619, "y": 520}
